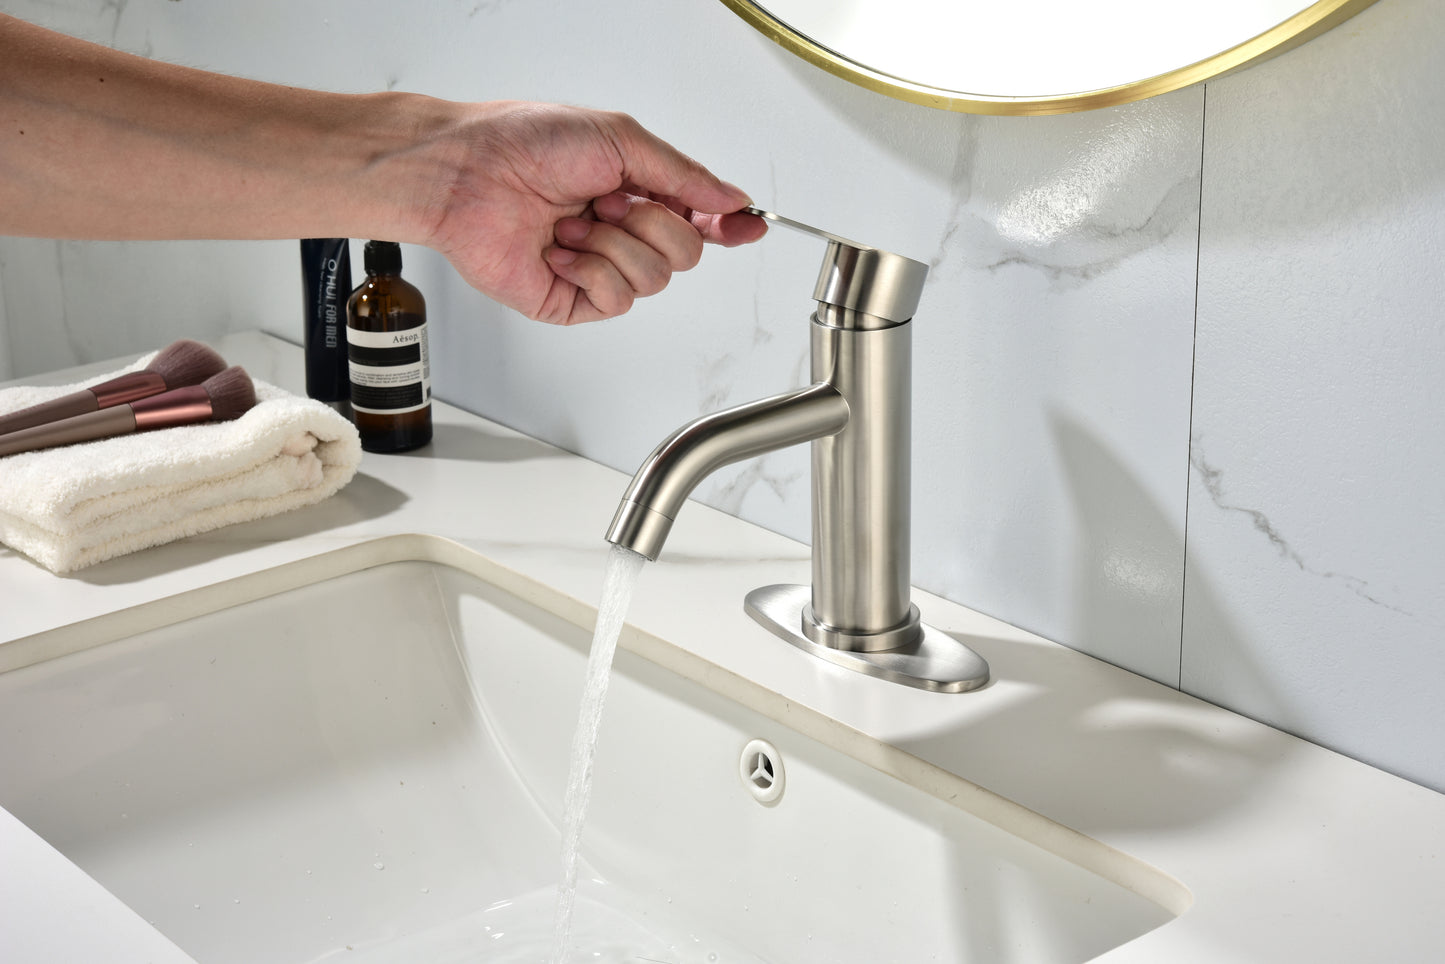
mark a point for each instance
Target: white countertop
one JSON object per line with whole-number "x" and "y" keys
{"x": 1281, "y": 850}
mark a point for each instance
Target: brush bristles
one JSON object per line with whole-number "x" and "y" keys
{"x": 232, "y": 394}
{"x": 186, "y": 362}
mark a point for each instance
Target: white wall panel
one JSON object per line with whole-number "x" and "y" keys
{"x": 1316, "y": 527}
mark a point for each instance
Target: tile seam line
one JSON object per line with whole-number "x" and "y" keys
{"x": 1193, "y": 378}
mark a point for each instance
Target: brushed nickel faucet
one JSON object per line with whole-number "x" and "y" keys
{"x": 857, "y": 413}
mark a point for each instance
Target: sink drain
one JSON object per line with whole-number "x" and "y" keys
{"x": 761, "y": 769}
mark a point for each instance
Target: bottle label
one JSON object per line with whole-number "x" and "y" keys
{"x": 390, "y": 371}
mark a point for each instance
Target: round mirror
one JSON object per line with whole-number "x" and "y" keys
{"x": 1036, "y": 56}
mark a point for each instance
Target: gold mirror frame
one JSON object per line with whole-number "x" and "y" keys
{"x": 1314, "y": 20}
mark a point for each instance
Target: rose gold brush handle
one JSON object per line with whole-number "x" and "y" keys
{"x": 104, "y": 423}
{"x": 116, "y": 391}
{"x": 128, "y": 388}
{"x": 179, "y": 406}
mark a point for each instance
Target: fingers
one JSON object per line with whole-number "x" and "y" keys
{"x": 630, "y": 252}
{"x": 606, "y": 292}
{"x": 655, "y": 223}
{"x": 730, "y": 230}
{"x": 641, "y": 223}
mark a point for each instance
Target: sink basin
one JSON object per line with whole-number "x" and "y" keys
{"x": 369, "y": 765}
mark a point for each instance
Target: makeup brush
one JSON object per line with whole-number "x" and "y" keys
{"x": 181, "y": 363}
{"x": 221, "y": 397}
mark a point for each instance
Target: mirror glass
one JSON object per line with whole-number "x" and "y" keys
{"x": 1036, "y": 56}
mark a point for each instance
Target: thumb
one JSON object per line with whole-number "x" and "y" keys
{"x": 654, "y": 166}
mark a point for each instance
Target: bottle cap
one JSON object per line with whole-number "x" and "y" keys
{"x": 382, "y": 257}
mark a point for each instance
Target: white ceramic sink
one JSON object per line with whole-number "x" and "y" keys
{"x": 370, "y": 767}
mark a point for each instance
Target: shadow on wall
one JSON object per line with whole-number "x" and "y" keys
{"x": 1152, "y": 757}
{"x": 1128, "y": 564}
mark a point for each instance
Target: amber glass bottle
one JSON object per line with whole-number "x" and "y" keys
{"x": 387, "y": 349}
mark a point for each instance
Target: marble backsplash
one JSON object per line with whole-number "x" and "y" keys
{"x": 1172, "y": 365}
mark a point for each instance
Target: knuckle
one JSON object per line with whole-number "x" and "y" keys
{"x": 612, "y": 303}
{"x": 622, "y": 121}
{"x": 690, "y": 255}
{"x": 654, "y": 280}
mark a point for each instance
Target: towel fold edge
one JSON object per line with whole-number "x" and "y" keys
{"x": 66, "y": 555}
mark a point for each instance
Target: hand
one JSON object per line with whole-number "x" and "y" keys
{"x": 568, "y": 215}
{"x": 565, "y": 214}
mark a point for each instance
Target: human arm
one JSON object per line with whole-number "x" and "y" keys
{"x": 95, "y": 143}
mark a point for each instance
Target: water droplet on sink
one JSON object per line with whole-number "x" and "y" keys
{"x": 379, "y": 865}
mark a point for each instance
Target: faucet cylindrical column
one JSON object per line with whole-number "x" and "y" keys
{"x": 857, "y": 613}
{"x": 860, "y": 595}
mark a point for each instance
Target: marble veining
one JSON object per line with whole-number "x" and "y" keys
{"x": 730, "y": 494}
{"x": 487, "y": 7}
{"x": 1212, "y": 478}
{"x": 960, "y": 191}
{"x": 115, "y": 9}
{"x": 1101, "y": 202}
{"x": 1174, "y": 211}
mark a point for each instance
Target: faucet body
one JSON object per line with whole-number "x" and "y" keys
{"x": 857, "y": 415}
{"x": 861, "y": 475}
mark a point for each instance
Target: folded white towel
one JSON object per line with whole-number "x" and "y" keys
{"x": 71, "y": 507}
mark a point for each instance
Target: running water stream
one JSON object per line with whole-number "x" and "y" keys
{"x": 608, "y": 925}
{"x": 623, "y": 568}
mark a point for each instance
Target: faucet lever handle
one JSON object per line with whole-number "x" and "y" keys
{"x": 860, "y": 278}
{"x": 806, "y": 228}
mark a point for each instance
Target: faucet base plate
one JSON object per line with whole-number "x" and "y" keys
{"x": 933, "y": 661}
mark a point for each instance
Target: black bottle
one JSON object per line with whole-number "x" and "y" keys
{"x": 387, "y": 350}
{"x": 326, "y": 284}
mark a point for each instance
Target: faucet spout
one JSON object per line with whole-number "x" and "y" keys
{"x": 696, "y": 450}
